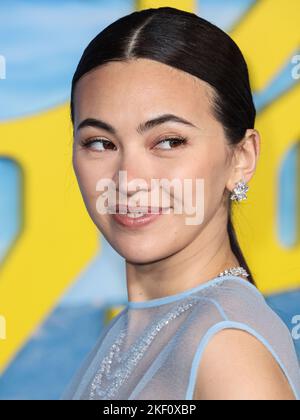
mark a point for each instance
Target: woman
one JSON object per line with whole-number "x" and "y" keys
{"x": 164, "y": 94}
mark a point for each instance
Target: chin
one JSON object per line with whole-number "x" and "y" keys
{"x": 138, "y": 247}
{"x": 141, "y": 260}
{"x": 137, "y": 252}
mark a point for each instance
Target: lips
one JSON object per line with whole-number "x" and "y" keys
{"x": 122, "y": 209}
{"x": 131, "y": 220}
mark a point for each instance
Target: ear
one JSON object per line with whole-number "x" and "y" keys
{"x": 245, "y": 157}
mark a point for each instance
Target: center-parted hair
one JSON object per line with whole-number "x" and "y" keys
{"x": 187, "y": 42}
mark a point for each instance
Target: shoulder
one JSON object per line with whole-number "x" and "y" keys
{"x": 243, "y": 303}
{"x": 247, "y": 355}
{"x": 235, "y": 365}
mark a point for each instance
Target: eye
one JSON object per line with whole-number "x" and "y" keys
{"x": 98, "y": 144}
{"x": 175, "y": 141}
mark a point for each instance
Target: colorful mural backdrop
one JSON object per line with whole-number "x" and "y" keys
{"x": 60, "y": 282}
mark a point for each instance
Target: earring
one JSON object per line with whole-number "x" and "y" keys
{"x": 239, "y": 192}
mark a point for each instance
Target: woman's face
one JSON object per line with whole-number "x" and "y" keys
{"x": 125, "y": 95}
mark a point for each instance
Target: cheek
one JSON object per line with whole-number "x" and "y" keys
{"x": 87, "y": 176}
{"x": 214, "y": 185}
{"x": 208, "y": 177}
{"x": 197, "y": 171}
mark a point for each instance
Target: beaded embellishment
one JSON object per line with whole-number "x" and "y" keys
{"x": 130, "y": 359}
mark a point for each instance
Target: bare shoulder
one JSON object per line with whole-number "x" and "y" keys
{"x": 236, "y": 366}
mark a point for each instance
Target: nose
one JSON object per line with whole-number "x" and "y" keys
{"x": 132, "y": 174}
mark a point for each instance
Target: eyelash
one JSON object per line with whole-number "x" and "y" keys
{"x": 182, "y": 140}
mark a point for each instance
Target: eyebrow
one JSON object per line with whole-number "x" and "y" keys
{"x": 142, "y": 128}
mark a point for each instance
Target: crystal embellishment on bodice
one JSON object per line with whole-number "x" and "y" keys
{"x": 129, "y": 359}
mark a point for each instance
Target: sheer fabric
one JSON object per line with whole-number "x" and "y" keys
{"x": 151, "y": 350}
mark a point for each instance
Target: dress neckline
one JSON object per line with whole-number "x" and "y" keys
{"x": 175, "y": 297}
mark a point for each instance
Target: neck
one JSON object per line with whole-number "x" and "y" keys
{"x": 203, "y": 259}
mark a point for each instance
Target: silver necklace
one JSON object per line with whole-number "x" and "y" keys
{"x": 130, "y": 358}
{"x": 235, "y": 271}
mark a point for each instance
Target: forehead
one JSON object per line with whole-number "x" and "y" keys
{"x": 140, "y": 88}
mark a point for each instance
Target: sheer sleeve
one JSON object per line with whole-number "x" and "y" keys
{"x": 245, "y": 308}
{"x": 293, "y": 380}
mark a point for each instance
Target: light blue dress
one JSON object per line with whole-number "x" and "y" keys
{"x": 151, "y": 350}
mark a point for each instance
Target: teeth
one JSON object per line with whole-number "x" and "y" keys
{"x": 135, "y": 215}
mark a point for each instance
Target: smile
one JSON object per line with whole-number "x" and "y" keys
{"x": 138, "y": 218}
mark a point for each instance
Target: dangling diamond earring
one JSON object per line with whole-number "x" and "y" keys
{"x": 239, "y": 192}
